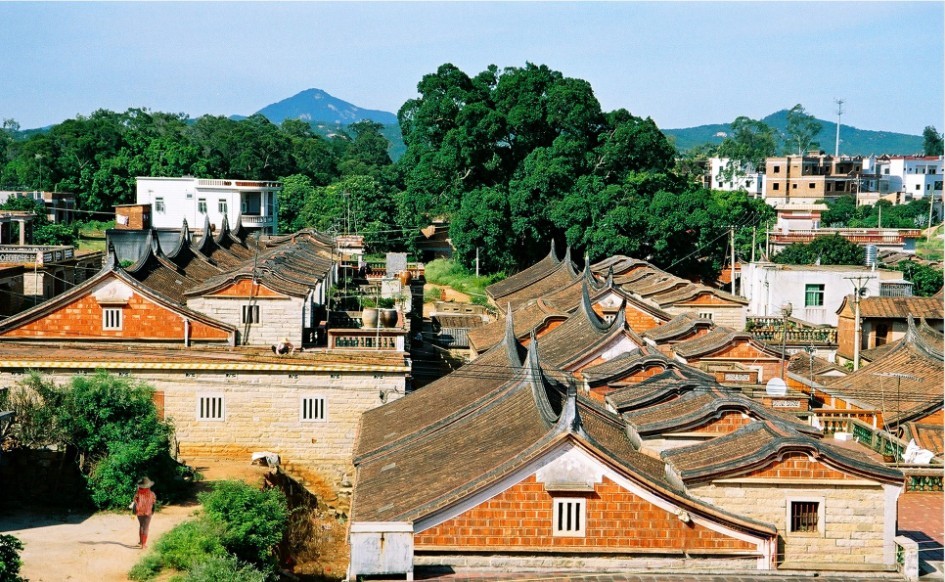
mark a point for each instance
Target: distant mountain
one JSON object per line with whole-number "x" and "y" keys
{"x": 315, "y": 105}
{"x": 853, "y": 141}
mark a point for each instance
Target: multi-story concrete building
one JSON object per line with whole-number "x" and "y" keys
{"x": 810, "y": 178}
{"x": 247, "y": 203}
{"x": 913, "y": 177}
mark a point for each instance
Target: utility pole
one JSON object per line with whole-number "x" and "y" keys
{"x": 753, "y": 231}
{"x": 477, "y": 261}
{"x": 928, "y": 233}
{"x": 859, "y": 289}
{"x": 839, "y": 102}
{"x": 732, "y": 234}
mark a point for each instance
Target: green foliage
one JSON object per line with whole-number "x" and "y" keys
{"x": 750, "y": 144}
{"x": 432, "y": 294}
{"x": 10, "y": 548}
{"x": 222, "y": 569}
{"x": 450, "y": 273}
{"x": 113, "y": 425}
{"x": 828, "y": 250}
{"x": 253, "y": 521}
{"x": 932, "y": 142}
{"x": 843, "y": 212}
{"x": 926, "y": 281}
{"x": 801, "y": 133}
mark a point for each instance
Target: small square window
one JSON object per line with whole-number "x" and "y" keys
{"x": 813, "y": 296}
{"x": 777, "y": 169}
{"x": 705, "y": 315}
{"x": 794, "y": 186}
{"x": 221, "y": 205}
{"x": 250, "y": 314}
{"x": 918, "y": 187}
{"x": 111, "y": 318}
{"x": 210, "y": 407}
{"x": 202, "y": 205}
{"x": 569, "y": 517}
{"x": 159, "y": 205}
{"x": 313, "y": 409}
{"x": 804, "y": 516}
{"x": 776, "y": 187}
{"x": 811, "y": 186}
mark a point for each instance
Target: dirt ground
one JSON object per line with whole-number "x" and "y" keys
{"x": 100, "y": 547}
{"x": 451, "y": 295}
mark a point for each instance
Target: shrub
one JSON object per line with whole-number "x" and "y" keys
{"x": 222, "y": 569}
{"x": 10, "y": 548}
{"x": 182, "y": 548}
{"x": 253, "y": 521}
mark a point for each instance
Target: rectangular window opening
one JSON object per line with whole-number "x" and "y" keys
{"x": 159, "y": 205}
{"x": 111, "y": 318}
{"x": 813, "y": 296}
{"x": 250, "y": 314}
{"x": 804, "y": 516}
{"x": 210, "y": 407}
{"x": 313, "y": 409}
{"x": 202, "y": 205}
{"x": 569, "y": 516}
{"x": 221, "y": 205}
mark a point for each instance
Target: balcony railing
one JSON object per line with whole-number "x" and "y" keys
{"x": 877, "y": 236}
{"x": 34, "y": 254}
{"x": 257, "y": 221}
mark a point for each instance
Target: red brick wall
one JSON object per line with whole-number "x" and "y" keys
{"x": 140, "y": 319}
{"x": 246, "y": 288}
{"x": 730, "y": 422}
{"x": 743, "y": 352}
{"x": 798, "y": 466}
{"x": 640, "y": 321}
{"x": 617, "y": 520}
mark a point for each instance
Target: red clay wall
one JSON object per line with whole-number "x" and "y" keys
{"x": 799, "y": 466}
{"x": 617, "y": 520}
{"x": 246, "y": 288}
{"x": 140, "y": 319}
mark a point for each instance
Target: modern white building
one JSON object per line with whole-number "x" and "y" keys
{"x": 745, "y": 177}
{"x": 914, "y": 177}
{"x": 252, "y": 203}
{"x": 815, "y": 292}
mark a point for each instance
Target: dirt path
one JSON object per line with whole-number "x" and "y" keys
{"x": 99, "y": 547}
{"x": 450, "y": 295}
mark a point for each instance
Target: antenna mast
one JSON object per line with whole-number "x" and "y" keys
{"x": 839, "y": 102}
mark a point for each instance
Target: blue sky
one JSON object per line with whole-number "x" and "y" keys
{"x": 682, "y": 64}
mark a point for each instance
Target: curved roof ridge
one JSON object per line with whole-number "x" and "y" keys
{"x": 536, "y": 380}
{"x": 510, "y": 342}
{"x": 587, "y": 310}
{"x": 919, "y": 341}
{"x": 224, "y": 230}
{"x": 149, "y": 249}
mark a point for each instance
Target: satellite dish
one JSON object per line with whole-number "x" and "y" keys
{"x": 776, "y": 387}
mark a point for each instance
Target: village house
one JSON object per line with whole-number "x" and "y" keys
{"x": 226, "y": 400}
{"x": 883, "y": 320}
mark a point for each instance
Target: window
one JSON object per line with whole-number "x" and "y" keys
{"x": 210, "y": 407}
{"x": 813, "y": 296}
{"x": 705, "y": 315}
{"x": 313, "y": 409}
{"x": 569, "y": 517}
{"x": 250, "y": 314}
{"x": 938, "y": 185}
{"x": 221, "y": 205}
{"x": 777, "y": 169}
{"x": 918, "y": 187}
{"x": 776, "y": 186}
{"x": 111, "y": 318}
{"x": 794, "y": 186}
{"x": 159, "y": 205}
{"x": 202, "y": 205}
{"x": 805, "y": 516}
{"x": 811, "y": 186}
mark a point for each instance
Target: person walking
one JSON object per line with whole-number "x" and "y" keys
{"x": 143, "y": 506}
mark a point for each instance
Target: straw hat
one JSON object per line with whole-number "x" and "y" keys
{"x": 145, "y": 483}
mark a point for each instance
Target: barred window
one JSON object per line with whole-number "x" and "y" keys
{"x": 313, "y": 409}
{"x": 210, "y": 407}
{"x": 805, "y": 516}
{"x": 569, "y": 516}
{"x": 111, "y": 318}
{"x": 250, "y": 314}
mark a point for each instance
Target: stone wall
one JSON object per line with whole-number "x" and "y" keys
{"x": 728, "y": 315}
{"x": 262, "y": 412}
{"x": 278, "y": 317}
{"x": 855, "y": 518}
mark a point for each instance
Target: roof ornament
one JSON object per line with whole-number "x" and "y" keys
{"x": 206, "y": 231}
{"x": 552, "y": 255}
{"x": 588, "y": 310}
{"x": 224, "y": 227}
{"x": 238, "y": 226}
{"x": 610, "y": 277}
{"x": 155, "y": 243}
{"x": 570, "y": 419}
{"x": 536, "y": 380}
{"x": 111, "y": 258}
{"x": 511, "y": 343}
{"x": 912, "y": 334}
{"x": 185, "y": 232}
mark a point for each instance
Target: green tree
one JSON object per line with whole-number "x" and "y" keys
{"x": 840, "y": 211}
{"x": 10, "y": 562}
{"x": 747, "y": 148}
{"x": 483, "y": 223}
{"x": 824, "y": 250}
{"x": 926, "y": 280}
{"x": 802, "y": 130}
{"x": 932, "y": 141}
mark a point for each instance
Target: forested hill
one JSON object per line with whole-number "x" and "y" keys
{"x": 318, "y": 106}
{"x": 853, "y": 141}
